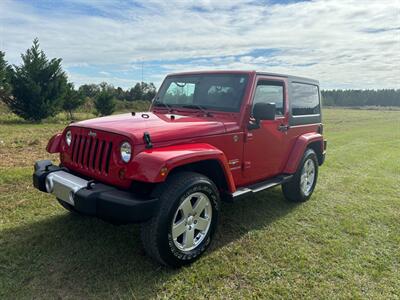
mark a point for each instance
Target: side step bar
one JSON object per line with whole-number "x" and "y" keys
{"x": 260, "y": 186}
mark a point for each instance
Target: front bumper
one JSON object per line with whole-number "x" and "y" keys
{"x": 90, "y": 197}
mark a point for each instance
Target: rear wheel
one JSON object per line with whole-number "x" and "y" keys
{"x": 301, "y": 186}
{"x": 185, "y": 222}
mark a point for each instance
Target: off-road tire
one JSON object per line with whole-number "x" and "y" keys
{"x": 292, "y": 189}
{"x": 156, "y": 233}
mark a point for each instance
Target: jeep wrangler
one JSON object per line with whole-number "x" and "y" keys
{"x": 208, "y": 136}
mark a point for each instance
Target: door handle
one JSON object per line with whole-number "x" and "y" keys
{"x": 283, "y": 127}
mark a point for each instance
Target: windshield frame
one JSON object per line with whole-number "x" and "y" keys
{"x": 180, "y": 106}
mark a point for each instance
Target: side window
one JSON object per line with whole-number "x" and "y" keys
{"x": 305, "y": 99}
{"x": 270, "y": 92}
{"x": 179, "y": 93}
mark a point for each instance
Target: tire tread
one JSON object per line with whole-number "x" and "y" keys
{"x": 291, "y": 189}
{"x": 165, "y": 191}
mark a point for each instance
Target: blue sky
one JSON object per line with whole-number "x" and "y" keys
{"x": 343, "y": 43}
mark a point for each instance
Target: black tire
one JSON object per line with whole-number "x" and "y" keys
{"x": 68, "y": 207}
{"x": 156, "y": 233}
{"x": 292, "y": 190}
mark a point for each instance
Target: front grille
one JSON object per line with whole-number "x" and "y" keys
{"x": 91, "y": 153}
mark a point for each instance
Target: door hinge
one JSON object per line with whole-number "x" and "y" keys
{"x": 283, "y": 127}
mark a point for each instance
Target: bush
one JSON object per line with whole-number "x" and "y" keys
{"x": 104, "y": 103}
{"x": 129, "y": 106}
{"x": 72, "y": 100}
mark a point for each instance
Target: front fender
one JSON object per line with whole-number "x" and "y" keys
{"x": 299, "y": 148}
{"x": 147, "y": 165}
{"x": 53, "y": 146}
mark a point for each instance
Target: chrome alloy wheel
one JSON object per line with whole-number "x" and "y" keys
{"x": 191, "y": 221}
{"x": 307, "y": 177}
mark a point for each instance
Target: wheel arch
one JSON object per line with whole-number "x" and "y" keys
{"x": 210, "y": 168}
{"x": 156, "y": 165}
{"x": 53, "y": 146}
{"x": 314, "y": 141}
{"x": 317, "y": 146}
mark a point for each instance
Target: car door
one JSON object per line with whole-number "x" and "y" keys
{"x": 266, "y": 147}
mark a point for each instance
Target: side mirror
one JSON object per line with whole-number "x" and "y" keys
{"x": 264, "y": 111}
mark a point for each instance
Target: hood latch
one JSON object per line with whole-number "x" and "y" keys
{"x": 147, "y": 140}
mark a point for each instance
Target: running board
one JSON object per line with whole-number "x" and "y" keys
{"x": 260, "y": 186}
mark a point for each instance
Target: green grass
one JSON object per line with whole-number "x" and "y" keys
{"x": 343, "y": 243}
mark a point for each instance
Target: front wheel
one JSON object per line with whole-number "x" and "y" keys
{"x": 301, "y": 186}
{"x": 185, "y": 222}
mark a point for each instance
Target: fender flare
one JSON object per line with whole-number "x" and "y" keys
{"x": 53, "y": 146}
{"x": 146, "y": 166}
{"x": 299, "y": 148}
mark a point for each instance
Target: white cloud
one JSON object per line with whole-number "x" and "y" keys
{"x": 346, "y": 43}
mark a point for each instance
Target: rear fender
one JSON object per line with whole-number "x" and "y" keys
{"x": 53, "y": 146}
{"x": 299, "y": 148}
{"x": 154, "y": 165}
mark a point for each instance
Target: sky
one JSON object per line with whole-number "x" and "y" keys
{"x": 342, "y": 43}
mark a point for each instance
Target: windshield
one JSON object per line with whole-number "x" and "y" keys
{"x": 222, "y": 92}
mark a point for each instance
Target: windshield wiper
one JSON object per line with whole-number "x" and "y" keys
{"x": 162, "y": 104}
{"x": 196, "y": 106}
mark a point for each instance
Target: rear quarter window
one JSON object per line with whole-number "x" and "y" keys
{"x": 305, "y": 99}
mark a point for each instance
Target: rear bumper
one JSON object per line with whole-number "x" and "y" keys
{"x": 90, "y": 197}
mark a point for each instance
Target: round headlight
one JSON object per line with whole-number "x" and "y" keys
{"x": 68, "y": 137}
{"x": 126, "y": 152}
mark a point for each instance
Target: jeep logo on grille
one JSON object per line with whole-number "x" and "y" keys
{"x": 91, "y": 133}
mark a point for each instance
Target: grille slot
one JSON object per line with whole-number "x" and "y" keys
{"x": 95, "y": 153}
{"x": 101, "y": 155}
{"x": 91, "y": 153}
{"x": 108, "y": 157}
{"x": 88, "y": 152}
{"x": 73, "y": 146}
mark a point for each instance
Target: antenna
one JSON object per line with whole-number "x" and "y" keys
{"x": 141, "y": 60}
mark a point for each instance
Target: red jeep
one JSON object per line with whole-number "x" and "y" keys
{"x": 208, "y": 136}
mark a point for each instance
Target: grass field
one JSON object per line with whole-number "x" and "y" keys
{"x": 343, "y": 243}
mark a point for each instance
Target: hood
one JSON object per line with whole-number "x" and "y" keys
{"x": 161, "y": 127}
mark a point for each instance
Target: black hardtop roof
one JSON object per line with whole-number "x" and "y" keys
{"x": 290, "y": 77}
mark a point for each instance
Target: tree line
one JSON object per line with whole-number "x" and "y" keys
{"x": 38, "y": 88}
{"x": 351, "y": 98}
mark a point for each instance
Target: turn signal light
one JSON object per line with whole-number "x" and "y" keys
{"x": 163, "y": 171}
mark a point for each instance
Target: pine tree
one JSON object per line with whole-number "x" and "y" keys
{"x": 72, "y": 100}
{"x": 39, "y": 85}
{"x": 104, "y": 103}
{"x": 136, "y": 92}
{"x": 5, "y": 73}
